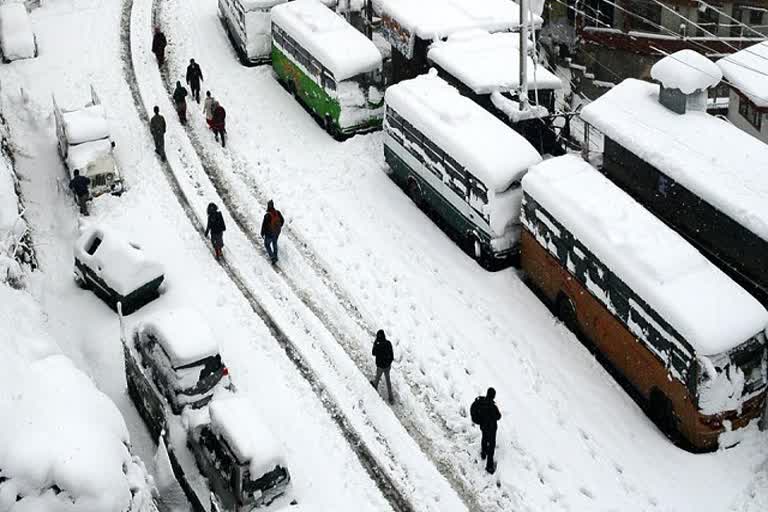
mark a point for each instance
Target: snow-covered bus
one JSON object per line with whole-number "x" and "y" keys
{"x": 248, "y": 25}
{"x": 458, "y": 161}
{"x": 680, "y": 332}
{"x": 330, "y": 67}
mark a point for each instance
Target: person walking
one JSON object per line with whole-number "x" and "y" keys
{"x": 382, "y": 351}
{"x": 180, "y": 100}
{"x": 79, "y": 185}
{"x": 271, "y": 227}
{"x": 216, "y": 228}
{"x": 218, "y": 123}
{"x": 157, "y": 129}
{"x": 485, "y": 414}
{"x": 208, "y": 106}
{"x": 159, "y": 42}
{"x": 194, "y": 77}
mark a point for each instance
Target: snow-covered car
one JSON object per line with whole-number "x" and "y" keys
{"x": 85, "y": 144}
{"x": 182, "y": 354}
{"x": 239, "y": 455}
{"x": 17, "y": 40}
{"x": 116, "y": 270}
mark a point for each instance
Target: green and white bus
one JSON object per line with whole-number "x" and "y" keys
{"x": 330, "y": 67}
{"x": 460, "y": 162}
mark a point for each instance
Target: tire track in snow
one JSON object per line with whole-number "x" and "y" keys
{"x": 365, "y": 456}
{"x": 443, "y": 460}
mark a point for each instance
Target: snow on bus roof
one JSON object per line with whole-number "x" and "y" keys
{"x": 489, "y": 62}
{"x": 120, "y": 263}
{"x": 686, "y": 70}
{"x": 240, "y": 424}
{"x": 710, "y": 157}
{"x": 328, "y": 37}
{"x": 705, "y": 306}
{"x": 488, "y": 148}
{"x": 184, "y": 335}
{"x": 747, "y": 70}
{"x": 262, "y": 5}
{"x": 437, "y": 19}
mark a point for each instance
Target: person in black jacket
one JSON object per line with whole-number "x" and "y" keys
{"x": 194, "y": 77}
{"x": 180, "y": 100}
{"x": 489, "y": 417}
{"x": 382, "y": 351}
{"x": 159, "y": 42}
{"x": 79, "y": 185}
{"x": 157, "y": 129}
{"x": 216, "y": 228}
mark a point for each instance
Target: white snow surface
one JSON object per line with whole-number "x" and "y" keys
{"x": 700, "y": 302}
{"x": 328, "y": 37}
{"x": 123, "y": 265}
{"x": 437, "y": 19}
{"x": 85, "y": 124}
{"x": 488, "y": 62}
{"x": 84, "y": 154}
{"x": 237, "y": 421}
{"x": 492, "y": 151}
{"x": 687, "y": 70}
{"x": 183, "y": 333}
{"x": 16, "y": 36}
{"x": 710, "y": 157}
{"x": 747, "y": 70}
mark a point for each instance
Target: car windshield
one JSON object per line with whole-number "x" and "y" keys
{"x": 200, "y": 376}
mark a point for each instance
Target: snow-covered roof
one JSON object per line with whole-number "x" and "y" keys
{"x": 16, "y": 36}
{"x": 437, "y": 19}
{"x": 686, "y": 70}
{"x": 85, "y": 124}
{"x": 699, "y": 301}
{"x": 260, "y": 5}
{"x": 489, "y": 62}
{"x": 723, "y": 165}
{"x": 183, "y": 334}
{"x": 488, "y": 148}
{"x": 120, "y": 263}
{"x": 239, "y": 423}
{"x": 328, "y": 37}
{"x": 747, "y": 70}
{"x": 58, "y": 429}
{"x": 81, "y": 155}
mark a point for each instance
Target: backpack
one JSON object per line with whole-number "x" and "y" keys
{"x": 476, "y": 410}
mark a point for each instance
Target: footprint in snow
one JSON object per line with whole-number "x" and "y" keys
{"x": 586, "y": 492}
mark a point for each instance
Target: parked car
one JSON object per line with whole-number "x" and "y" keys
{"x": 239, "y": 455}
{"x": 116, "y": 270}
{"x": 17, "y": 40}
{"x": 85, "y": 144}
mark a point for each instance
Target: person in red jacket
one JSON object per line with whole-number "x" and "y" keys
{"x": 271, "y": 227}
{"x": 218, "y": 123}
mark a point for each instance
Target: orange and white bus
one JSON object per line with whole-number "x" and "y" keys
{"x": 684, "y": 335}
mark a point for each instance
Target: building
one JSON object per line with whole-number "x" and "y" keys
{"x": 747, "y": 74}
{"x": 618, "y": 39}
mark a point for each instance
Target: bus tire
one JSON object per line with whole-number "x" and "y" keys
{"x": 414, "y": 192}
{"x": 662, "y": 413}
{"x": 566, "y": 313}
{"x": 330, "y": 126}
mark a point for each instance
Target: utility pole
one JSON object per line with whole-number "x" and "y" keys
{"x": 524, "y": 15}
{"x": 369, "y": 19}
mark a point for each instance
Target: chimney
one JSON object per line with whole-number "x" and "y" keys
{"x": 684, "y": 78}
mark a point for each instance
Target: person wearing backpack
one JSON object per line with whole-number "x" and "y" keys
{"x": 271, "y": 227}
{"x": 484, "y": 413}
{"x": 382, "y": 351}
{"x": 216, "y": 228}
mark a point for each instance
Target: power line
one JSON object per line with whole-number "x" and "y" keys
{"x": 738, "y": 22}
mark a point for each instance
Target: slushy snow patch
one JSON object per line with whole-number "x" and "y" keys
{"x": 16, "y": 36}
{"x": 120, "y": 263}
{"x": 710, "y": 157}
{"x": 182, "y": 333}
{"x": 747, "y": 70}
{"x": 238, "y": 422}
{"x": 328, "y": 37}
{"x": 686, "y": 70}
{"x": 699, "y": 301}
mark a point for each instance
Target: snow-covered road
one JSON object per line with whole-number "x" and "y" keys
{"x": 571, "y": 438}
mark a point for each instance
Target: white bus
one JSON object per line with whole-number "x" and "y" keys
{"x": 458, "y": 161}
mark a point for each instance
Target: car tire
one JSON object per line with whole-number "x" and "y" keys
{"x": 663, "y": 414}
{"x": 566, "y": 313}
